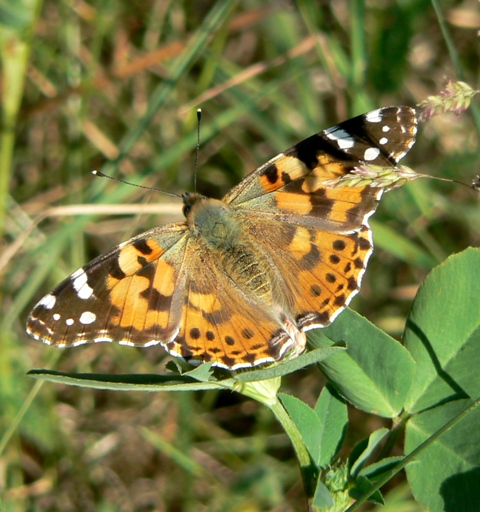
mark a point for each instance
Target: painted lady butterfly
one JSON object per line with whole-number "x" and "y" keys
{"x": 241, "y": 280}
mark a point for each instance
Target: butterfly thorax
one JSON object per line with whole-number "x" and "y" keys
{"x": 212, "y": 220}
{"x": 217, "y": 228}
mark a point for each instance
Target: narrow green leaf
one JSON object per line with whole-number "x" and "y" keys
{"x": 364, "y": 449}
{"x": 128, "y": 382}
{"x": 378, "y": 469}
{"x": 171, "y": 451}
{"x": 306, "y": 359}
{"x": 400, "y": 246}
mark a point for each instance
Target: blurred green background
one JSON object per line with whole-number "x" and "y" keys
{"x": 115, "y": 86}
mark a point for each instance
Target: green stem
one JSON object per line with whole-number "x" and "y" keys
{"x": 15, "y": 46}
{"x": 14, "y": 424}
{"x": 412, "y": 455}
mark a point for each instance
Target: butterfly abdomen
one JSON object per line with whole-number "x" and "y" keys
{"x": 249, "y": 272}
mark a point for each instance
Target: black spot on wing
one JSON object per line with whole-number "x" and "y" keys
{"x": 271, "y": 173}
{"x": 195, "y": 333}
{"x": 142, "y": 246}
{"x": 115, "y": 271}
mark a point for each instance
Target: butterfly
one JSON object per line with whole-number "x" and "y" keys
{"x": 241, "y": 280}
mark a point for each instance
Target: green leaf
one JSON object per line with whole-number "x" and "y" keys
{"x": 363, "y": 486}
{"x": 362, "y": 451}
{"x": 333, "y": 414}
{"x": 307, "y": 422}
{"x": 202, "y": 373}
{"x": 375, "y": 372}
{"x": 443, "y": 333}
{"x": 447, "y": 474}
{"x": 322, "y": 497}
{"x": 323, "y": 428}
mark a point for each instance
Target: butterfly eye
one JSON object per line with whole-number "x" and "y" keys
{"x": 186, "y": 209}
{"x": 187, "y": 203}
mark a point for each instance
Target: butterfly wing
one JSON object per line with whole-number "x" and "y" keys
{"x": 126, "y": 295}
{"x": 380, "y": 137}
{"x": 318, "y": 236}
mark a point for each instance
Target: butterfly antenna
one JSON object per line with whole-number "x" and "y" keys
{"x": 475, "y": 183}
{"x": 199, "y": 120}
{"x": 103, "y": 175}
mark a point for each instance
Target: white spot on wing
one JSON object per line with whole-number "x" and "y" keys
{"x": 77, "y": 273}
{"x": 56, "y": 316}
{"x": 102, "y": 339}
{"x": 371, "y": 153}
{"x": 151, "y": 343}
{"x": 383, "y": 140}
{"x": 69, "y": 321}
{"x": 346, "y": 143}
{"x": 48, "y": 301}
{"x": 341, "y": 137}
{"x": 127, "y": 343}
{"x": 375, "y": 116}
{"x": 80, "y": 285}
{"x": 87, "y": 317}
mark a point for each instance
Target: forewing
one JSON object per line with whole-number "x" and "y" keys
{"x": 130, "y": 295}
{"x": 293, "y": 183}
